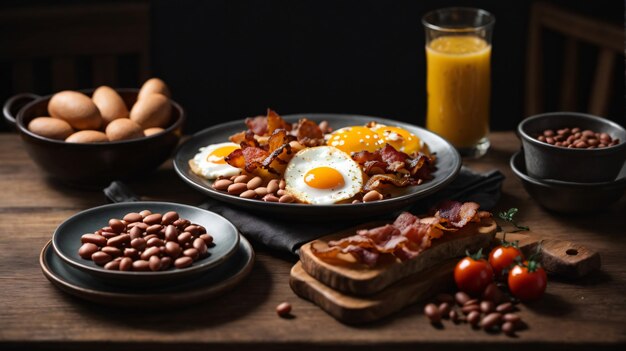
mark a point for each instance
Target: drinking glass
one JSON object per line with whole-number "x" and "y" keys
{"x": 458, "y": 55}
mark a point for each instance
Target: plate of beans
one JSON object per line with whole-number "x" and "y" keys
{"x": 138, "y": 243}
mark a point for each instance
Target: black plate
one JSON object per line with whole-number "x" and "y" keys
{"x": 66, "y": 240}
{"x": 210, "y": 283}
{"x": 448, "y": 165}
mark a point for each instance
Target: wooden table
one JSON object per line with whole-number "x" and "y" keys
{"x": 34, "y": 314}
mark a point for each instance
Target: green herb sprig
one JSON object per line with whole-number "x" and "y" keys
{"x": 508, "y": 216}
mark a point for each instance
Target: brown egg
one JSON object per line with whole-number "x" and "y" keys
{"x": 153, "y": 110}
{"x": 49, "y": 127}
{"x": 87, "y": 136}
{"x": 151, "y": 131}
{"x": 110, "y": 104}
{"x": 151, "y": 86}
{"x": 123, "y": 129}
{"x": 75, "y": 108}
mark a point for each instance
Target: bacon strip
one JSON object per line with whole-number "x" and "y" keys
{"x": 406, "y": 237}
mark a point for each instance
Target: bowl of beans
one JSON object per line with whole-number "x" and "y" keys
{"x": 145, "y": 243}
{"x": 572, "y": 147}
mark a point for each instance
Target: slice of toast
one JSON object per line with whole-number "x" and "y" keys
{"x": 346, "y": 275}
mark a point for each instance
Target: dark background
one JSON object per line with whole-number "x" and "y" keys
{"x": 226, "y": 60}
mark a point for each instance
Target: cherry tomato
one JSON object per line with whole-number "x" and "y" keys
{"x": 503, "y": 257}
{"x": 472, "y": 274}
{"x": 528, "y": 281}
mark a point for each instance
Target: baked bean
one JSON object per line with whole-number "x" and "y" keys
{"x": 508, "y": 328}
{"x": 470, "y": 308}
{"x": 272, "y": 186}
{"x": 181, "y": 223}
{"x": 154, "y": 229}
{"x": 254, "y": 183}
{"x": 169, "y": 218}
{"x": 270, "y": 198}
{"x": 461, "y": 298}
{"x": 575, "y": 138}
{"x": 444, "y": 309}
{"x": 372, "y": 195}
{"x": 131, "y": 253}
{"x": 138, "y": 243}
{"x": 166, "y": 262}
{"x": 504, "y": 307}
{"x": 141, "y": 265}
{"x": 113, "y": 265}
{"x": 453, "y": 315}
{"x": 184, "y": 237}
{"x": 248, "y": 194}
{"x": 126, "y": 264}
{"x": 493, "y": 293}
{"x": 193, "y": 229}
{"x": 511, "y": 317}
{"x": 173, "y": 249}
{"x": 154, "y": 263}
{"x": 132, "y": 217}
{"x": 145, "y": 213}
{"x": 237, "y": 188}
{"x": 171, "y": 233}
{"x": 283, "y": 309}
{"x": 116, "y": 225}
{"x": 94, "y": 239}
{"x": 242, "y": 179}
{"x": 135, "y": 232}
{"x": 87, "y": 250}
{"x": 261, "y": 191}
{"x": 286, "y": 198}
{"x": 108, "y": 235}
{"x": 491, "y": 320}
{"x": 487, "y": 306}
{"x": 356, "y": 201}
{"x": 548, "y": 133}
{"x": 151, "y": 251}
{"x": 471, "y": 302}
{"x": 201, "y": 229}
{"x": 148, "y": 237}
{"x": 140, "y": 225}
{"x": 282, "y": 184}
{"x": 200, "y": 245}
{"x": 155, "y": 242}
{"x": 111, "y": 250}
{"x": 222, "y": 184}
{"x": 101, "y": 258}
{"x": 183, "y": 262}
{"x": 154, "y": 218}
{"x": 119, "y": 240}
{"x": 473, "y": 318}
{"x": 208, "y": 239}
{"x": 432, "y": 312}
{"x": 281, "y": 192}
{"x": 192, "y": 252}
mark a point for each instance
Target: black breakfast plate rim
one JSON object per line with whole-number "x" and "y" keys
{"x": 195, "y": 290}
{"x": 183, "y": 155}
{"x": 209, "y": 263}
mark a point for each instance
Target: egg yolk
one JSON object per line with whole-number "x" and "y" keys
{"x": 324, "y": 178}
{"x": 355, "y": 139}
{"x": 400, "y": 139}
{"x": 217, "y": 155}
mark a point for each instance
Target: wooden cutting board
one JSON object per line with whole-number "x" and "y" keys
{"x": 348, "y": 276}
{"x": 362, "y": 309}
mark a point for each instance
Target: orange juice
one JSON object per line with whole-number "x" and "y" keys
{"x": 458, "y": 86}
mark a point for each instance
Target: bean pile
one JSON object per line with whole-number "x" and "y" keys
{"x": 146, "y": 241}
{"x": 577, "y": 138}
{"x": 491, "y": 312}
{"x": 272, "y": 191}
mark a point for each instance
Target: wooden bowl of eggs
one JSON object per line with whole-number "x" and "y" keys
{"x": 91, "y": 137}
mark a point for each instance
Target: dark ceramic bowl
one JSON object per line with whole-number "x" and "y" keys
{"x": 66, "y": 242}
{"x": 545, "y": 161}
{"x": 98, "y": 163}
{"x": 569, "y": 197}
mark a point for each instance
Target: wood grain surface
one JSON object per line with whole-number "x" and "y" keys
{"x": 574, "y": 315}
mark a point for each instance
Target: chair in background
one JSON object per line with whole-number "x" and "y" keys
{"x": 576, "y": 28}
{"x": 99, "y": 34}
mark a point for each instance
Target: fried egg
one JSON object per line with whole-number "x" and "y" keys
{"x": 323, "y": 175}
{"x": 361, "y": 138}
{"x": 209, "y": 161}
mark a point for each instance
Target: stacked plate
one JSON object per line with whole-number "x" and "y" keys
{"x": 229, "y": 261}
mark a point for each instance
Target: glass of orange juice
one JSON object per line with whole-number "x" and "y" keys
{"x": 458, "y": 55}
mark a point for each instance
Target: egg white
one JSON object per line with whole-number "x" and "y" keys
{"x": 322, "y": 156}
{"x": 212, "y": 170}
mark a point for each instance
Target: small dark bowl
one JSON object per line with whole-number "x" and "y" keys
{"x": 545, "y": 161}
{"x": 569, "y": 197}
{"x": 96, "y": 164}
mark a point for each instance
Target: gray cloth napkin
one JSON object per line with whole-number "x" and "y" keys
{"x": 279, "y": 233}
